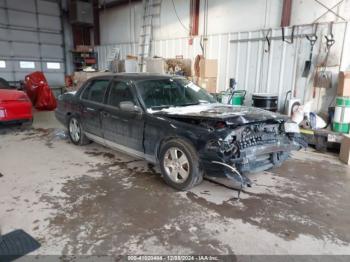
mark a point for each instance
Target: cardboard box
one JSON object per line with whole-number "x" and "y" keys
{"x": 131, "y": 57}
{"x": 208, "y": 68}
{"x": 121, "y": 66}
{"x": 344, "y": 84}
{"x": 344, "y": 154}
{"x": 208, "y": 83}
{"x": 131, "y": 66}
{"x": 156, "y": 65}
{"x": 117, "y": 66}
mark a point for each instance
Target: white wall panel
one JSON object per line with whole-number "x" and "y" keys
{"x": 234, "y": 16}
{"x": 224, "y": 16}
{"x": 245, "y": 57}
{"x": 306, "y": 12}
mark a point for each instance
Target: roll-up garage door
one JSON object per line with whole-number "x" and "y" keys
{"x": 31, "y": 40}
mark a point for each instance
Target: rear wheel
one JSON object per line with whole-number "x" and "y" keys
{"x": 76, "y": 133}
{"x": 179, "y": 164}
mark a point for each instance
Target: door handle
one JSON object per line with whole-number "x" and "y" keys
{"x": 89, "y": 109}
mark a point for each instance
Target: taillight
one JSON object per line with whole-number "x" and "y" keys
{"x": 2, "y": 113}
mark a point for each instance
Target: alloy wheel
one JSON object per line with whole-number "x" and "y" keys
{"x": 176, "y": 165}
{"x": 74, "y": 129}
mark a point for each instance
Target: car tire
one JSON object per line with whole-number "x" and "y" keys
{"x": 179, "y": 164}
{"x": 76, "y": 133}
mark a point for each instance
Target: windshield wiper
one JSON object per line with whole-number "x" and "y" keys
{"x": 159, "y": 107}
{"x": 191, "y": 104}
{"x": 168, "y": 106}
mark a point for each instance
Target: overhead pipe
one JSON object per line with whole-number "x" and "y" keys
{"x": 286, "y": 13}
{"x": 96, "y": 12}
{"x": 194, "y": 11}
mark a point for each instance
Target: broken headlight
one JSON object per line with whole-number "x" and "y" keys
{"x": 223, "y": 146}
{"x": 213, "y": 145}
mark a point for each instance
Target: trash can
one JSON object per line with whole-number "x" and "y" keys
{"x": 238, "y": 97}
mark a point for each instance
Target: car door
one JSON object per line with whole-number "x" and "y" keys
{"x": 123, "y": 129}
{"x": 92, "y": 99}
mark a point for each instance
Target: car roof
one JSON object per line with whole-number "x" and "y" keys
{"x": 135, "y": 76}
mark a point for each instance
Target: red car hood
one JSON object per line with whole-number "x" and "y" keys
{"x": 12, "y": 95}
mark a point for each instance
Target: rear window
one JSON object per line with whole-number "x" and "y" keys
{"x": 96, "y": 91}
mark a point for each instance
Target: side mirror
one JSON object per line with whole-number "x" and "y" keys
{"x": 129, "y": 106}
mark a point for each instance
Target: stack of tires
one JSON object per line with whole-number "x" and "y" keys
{"x": 341, "y": 121}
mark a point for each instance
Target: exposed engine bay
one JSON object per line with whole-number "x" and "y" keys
{"x": 256, "y": 147}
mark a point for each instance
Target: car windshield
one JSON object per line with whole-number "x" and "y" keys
{"x": 165, "y": 93}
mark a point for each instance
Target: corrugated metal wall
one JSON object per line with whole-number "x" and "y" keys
{"x": 105, "y": 51}
{"x": 245, "y": 57}
{"x": 31, "y": 31}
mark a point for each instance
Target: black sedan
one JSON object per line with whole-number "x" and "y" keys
{"x": 172, "y": 122}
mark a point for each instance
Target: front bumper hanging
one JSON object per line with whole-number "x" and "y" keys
{"x": 235, "y": 175}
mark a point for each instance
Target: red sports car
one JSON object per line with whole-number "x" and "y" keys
{"x": 15, "y": 106}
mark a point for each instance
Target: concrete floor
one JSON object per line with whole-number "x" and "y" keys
{"x": 91, "y": 200}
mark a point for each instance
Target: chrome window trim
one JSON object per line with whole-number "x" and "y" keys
{"x": 121, "y": 148}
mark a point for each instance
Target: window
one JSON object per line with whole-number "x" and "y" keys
{"x": 163, "y": 93}
{"x": 96, "y": 91}
{"x": 119, "y": 92}
{"x": 2, "y": 64}
{"x": 27, "y": 64}
{"x": 52, "y": 65}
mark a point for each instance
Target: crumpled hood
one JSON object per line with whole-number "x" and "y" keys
{"x": 229, "y": 114}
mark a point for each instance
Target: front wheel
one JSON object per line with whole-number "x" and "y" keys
{"x": 179, "y": 164}
{"x": 76, "y": 133}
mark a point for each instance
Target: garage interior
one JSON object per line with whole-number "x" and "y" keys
{"x": 293, "y": 56}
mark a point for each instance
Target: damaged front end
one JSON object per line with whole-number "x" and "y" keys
{"x": 251, "y": 148}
